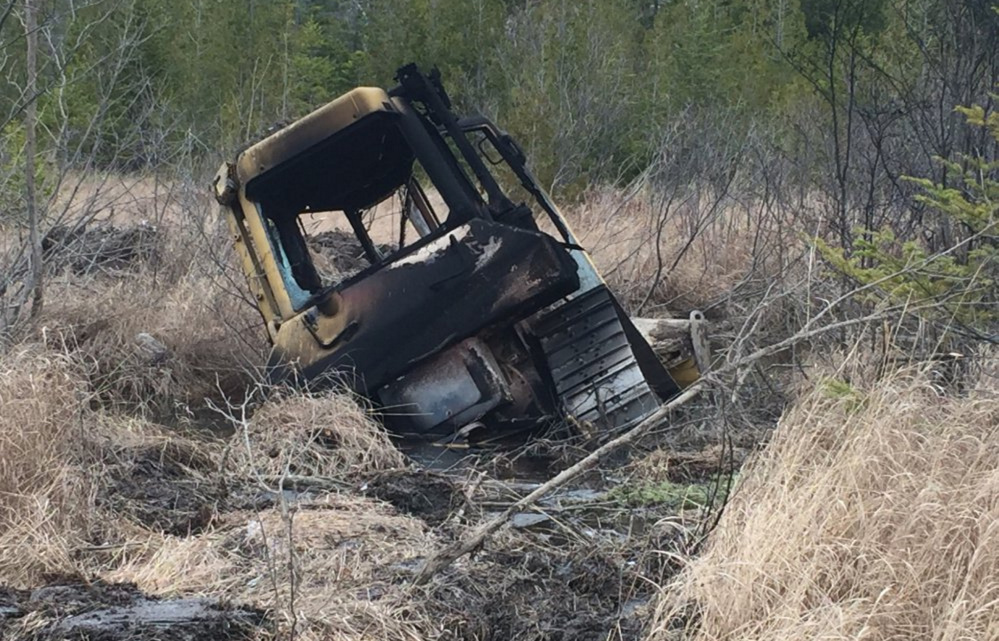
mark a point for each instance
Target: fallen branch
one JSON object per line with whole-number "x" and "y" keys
{"x": 446, "y": 556}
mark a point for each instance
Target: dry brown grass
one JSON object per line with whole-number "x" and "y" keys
{"x": 64, "y": 462}
{"x": 870, "y": 515}
{"x": 45, "y": 496}
{"x": 873, "y": 514}
{"x": 714, "y": 247}
{"x": 73, "y": 393}
{"x": 319, "y": 435}
{"x": 91, "y": 487}
{"x": 328, "y": 567}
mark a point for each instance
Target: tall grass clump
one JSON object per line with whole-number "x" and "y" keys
{"x": 45, "y": 496}
{"x": 873, "y": 513}
{"x": 325, "y": 434}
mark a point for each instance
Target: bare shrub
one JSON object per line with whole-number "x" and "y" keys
{"x": 655, "y": 260}
{"x": 167, "y": 333}
{"x": 710, "y": 224}
{"x": 871, "y": 514}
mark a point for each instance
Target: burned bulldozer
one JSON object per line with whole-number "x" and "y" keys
{"x": 477, "y": 310}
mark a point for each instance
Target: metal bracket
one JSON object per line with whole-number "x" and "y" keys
{"x": 309, "y": 320}
{"x": 699, "y": 340}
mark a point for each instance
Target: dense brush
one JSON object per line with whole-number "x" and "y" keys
{"x": 45, "y": 497}
{"x": 871, "y": 515}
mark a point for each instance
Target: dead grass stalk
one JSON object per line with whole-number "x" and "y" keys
{"x": 317, "y": 435}
{"x": 45, "y": 497}
{"x": 872, "y": 515}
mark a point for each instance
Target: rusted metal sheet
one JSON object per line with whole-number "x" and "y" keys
{"x": 437, "y": 294}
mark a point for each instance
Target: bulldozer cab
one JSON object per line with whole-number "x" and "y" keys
{"x": 475, "y": 308}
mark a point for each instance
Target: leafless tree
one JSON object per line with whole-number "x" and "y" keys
{"x": 71, "y": 156}
{"x": 35, "y": 283}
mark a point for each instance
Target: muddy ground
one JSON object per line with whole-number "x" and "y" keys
{"x": 583, "y": 565}
{"x": 71, "y": 610}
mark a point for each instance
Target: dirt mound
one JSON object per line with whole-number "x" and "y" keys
{"x": 425, "y": 495}
{"x": 102, "y": 611}
{"x": 101, "y": 247}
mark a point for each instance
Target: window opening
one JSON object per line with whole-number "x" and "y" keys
{"x": 320, "y": 250}
{"x": 516, "y": 181}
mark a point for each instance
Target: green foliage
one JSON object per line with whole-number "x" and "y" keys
{"x": 589, "y": 87}
{"x": 824, "y": 18}
{"x": 321, "y": 65}
{"x": 571, "y": 103}
{"x": 694, "y": 46}
{"x": 838, "y": 389}
{"x": 958, "y": 282}
{"x": 676, "y": 496}
{"x": 584, "y": 85}
{"x": 13, "y": 209}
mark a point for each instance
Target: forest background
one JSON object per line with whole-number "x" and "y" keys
{"x": 819, "y": 106}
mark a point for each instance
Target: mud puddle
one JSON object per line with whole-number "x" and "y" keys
{"x": 524, "y": 584}
{"x": 504, "y": 463}
{"x": 430, "y": 496}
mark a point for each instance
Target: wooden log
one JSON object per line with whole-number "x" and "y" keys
{"x": 669, "y": 338}
{"x": 699, "y": 341}
{"x": 675, "y": 340}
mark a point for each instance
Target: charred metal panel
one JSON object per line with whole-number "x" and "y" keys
{"x": 450, "y": 390}
{"x": 441, "y": 291}
{"x": 593, "y": 364}
{"x": 469, "y": 324}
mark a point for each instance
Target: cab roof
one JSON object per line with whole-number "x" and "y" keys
{"x": 346, "y": 155}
